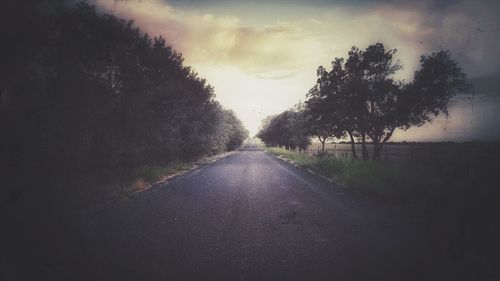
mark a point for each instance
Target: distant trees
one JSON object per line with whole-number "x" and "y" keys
{"x": 288, "y": 129}
{"x": 359, "y": 97}
{"x": 91, "y": 94}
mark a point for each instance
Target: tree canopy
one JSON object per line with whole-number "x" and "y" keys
{"x": 90, "y": 94}
{"x": 288, "y": 129}
{"x": 360, "y": 98}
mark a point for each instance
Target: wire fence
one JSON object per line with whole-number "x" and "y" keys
{"x": 424, "y": 152}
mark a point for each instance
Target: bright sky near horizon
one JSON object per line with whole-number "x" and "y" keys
{"x": 261, "y": 56}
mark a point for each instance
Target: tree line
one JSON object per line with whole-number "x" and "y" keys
{"x": 360, "y": 99}
{"x": 88, "y": 94}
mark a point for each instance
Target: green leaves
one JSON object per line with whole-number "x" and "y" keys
{"x": 289, "y": 129}
{"x": 115, "y": 99}
{"x": 360, "y": 98}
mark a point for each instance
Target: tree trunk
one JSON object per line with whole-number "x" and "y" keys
{"x": 378, "y": 145}
{"x": 377, "y": 149}
{"x": 364, "y": 150}
{"x": 322, "y": 144}
{"x": 353, "y": 146}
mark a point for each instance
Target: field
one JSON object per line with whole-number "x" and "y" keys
{"x": 421, "y": 152}
{"x": 408, "y": 171}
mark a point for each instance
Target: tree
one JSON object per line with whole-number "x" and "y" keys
{"x": 361, "y": 97}
{"x": 331, "y": 105}
{"x": 299, "y": 129}
{"x": 85, "y": 94}
{"x": 435, "y": 83}
{"x": 320, "y": 125}
{"x": 234, "y": 130}
{"x": 323, "y": 107}
{"x": 288, "y": 129}
{"x": 374, "y": 93}
{"x": 391, "y": 104}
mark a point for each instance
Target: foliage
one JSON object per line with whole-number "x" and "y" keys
{"x": 328, "y": 107}
{"x": 141, "y": 178}
{"x": 360, "y": 98}
{"x": 288, "y": 129}
{"x": 87, "y": 94}
{"x": 435, "y": 83}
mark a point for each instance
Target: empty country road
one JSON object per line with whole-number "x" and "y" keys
{"x": 248, "y": 216}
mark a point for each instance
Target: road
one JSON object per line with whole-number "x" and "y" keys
{"x": 249, "y": 216}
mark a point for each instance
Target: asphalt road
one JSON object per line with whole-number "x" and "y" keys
{"x": 249, "y": 216}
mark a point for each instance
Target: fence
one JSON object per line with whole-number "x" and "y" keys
{"x": 425, "y": 152}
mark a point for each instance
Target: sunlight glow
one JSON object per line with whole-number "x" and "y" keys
{"x": 245, "y": 93}
{"x": 262, "y": 60}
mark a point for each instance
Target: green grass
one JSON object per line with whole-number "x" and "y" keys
{"x": 144, "y": 176}
{"x": 399, "y": 182}
{"x": 155, "y": 173}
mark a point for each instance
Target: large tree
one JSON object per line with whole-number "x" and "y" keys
{"x": 374, "y": 93}
{"x": 362, "y": 98}
{"x": 324, "y": 105}
{"x": 434, "y": 84}
{"x": 334, "y": 103}
{"x": 391, "y": 104}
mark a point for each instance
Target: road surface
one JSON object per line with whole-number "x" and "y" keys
{"x": 249, "y": 216}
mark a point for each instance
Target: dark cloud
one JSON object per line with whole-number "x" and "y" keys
{"x": 443, "y": 4}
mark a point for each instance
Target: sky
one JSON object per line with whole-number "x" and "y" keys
{"x": 261, "y": 56}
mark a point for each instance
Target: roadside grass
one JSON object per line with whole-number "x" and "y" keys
{"x": 454, "y": 200}
{"x": 91, "y": 191}
{"x": 143, "y": 177}
{"x": 390, "y": 181}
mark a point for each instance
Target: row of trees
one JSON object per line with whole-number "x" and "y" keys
{"x": 288, "y": 129}
{"x": 360, "y": 100}
{"x": 90, "y": 94}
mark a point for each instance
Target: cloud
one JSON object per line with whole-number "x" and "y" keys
{"x": 262, "y": 57}
{"x": 220, "y": 40}
{"x": 468, "y": 28}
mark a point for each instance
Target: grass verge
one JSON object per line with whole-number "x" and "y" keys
{"x": 143, "y": 177}
{"x": 390, "y": 181}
